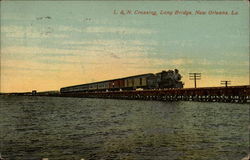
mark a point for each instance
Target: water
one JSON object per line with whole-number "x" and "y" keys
{"x": 33, "y": 128}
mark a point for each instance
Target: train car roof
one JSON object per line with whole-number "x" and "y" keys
{"x": 141, "y": 75}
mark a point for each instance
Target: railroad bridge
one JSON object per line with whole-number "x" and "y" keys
{"x": 232, "y": 94}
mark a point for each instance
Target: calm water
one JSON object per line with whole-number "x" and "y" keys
{"x": 75, "y": 128}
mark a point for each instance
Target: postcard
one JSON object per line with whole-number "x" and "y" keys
{"x": 135, "y": 80}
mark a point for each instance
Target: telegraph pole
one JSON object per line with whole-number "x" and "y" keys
{"x": 194, "y": 76}
{"x": 226, "y": 83}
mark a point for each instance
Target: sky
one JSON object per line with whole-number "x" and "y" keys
{"x": 52, "y": 44}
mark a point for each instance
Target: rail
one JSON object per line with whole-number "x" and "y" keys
{"x": 232, "y": 94}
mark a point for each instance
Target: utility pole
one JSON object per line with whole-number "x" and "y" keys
{"x": 195, "y": 76}
{"x": 226, "y": 83}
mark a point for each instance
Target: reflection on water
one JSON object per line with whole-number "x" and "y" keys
{"x": 75, "y": 128}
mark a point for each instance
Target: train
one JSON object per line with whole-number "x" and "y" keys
{"x": 162, "y": 80}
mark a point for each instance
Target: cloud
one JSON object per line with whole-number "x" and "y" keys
{"x": 68, "y": 29}
{"x": 40, "y": 55}
{"x": 94, "y": 51}
{"x": 181, "y": 61}
{"x": 34, "y": 50}
{"x": 113, "y": 42}
{"x": 15, "y": 68}
{"x": 120, "y": 48}
{"x": 11, "y": 16}
{"x": 30, "y": 32}
{"x": 119, "y": 30}
{"x": 35, "y": 35}
{"x": 26, "y": 67}
{"x": 89, "y": 55}
{"x": 94, "y": 42}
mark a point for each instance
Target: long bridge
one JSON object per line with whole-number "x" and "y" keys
{"x": 232, "y": 94}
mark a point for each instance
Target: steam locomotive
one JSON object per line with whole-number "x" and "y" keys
{"x": 161, "y": 80}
